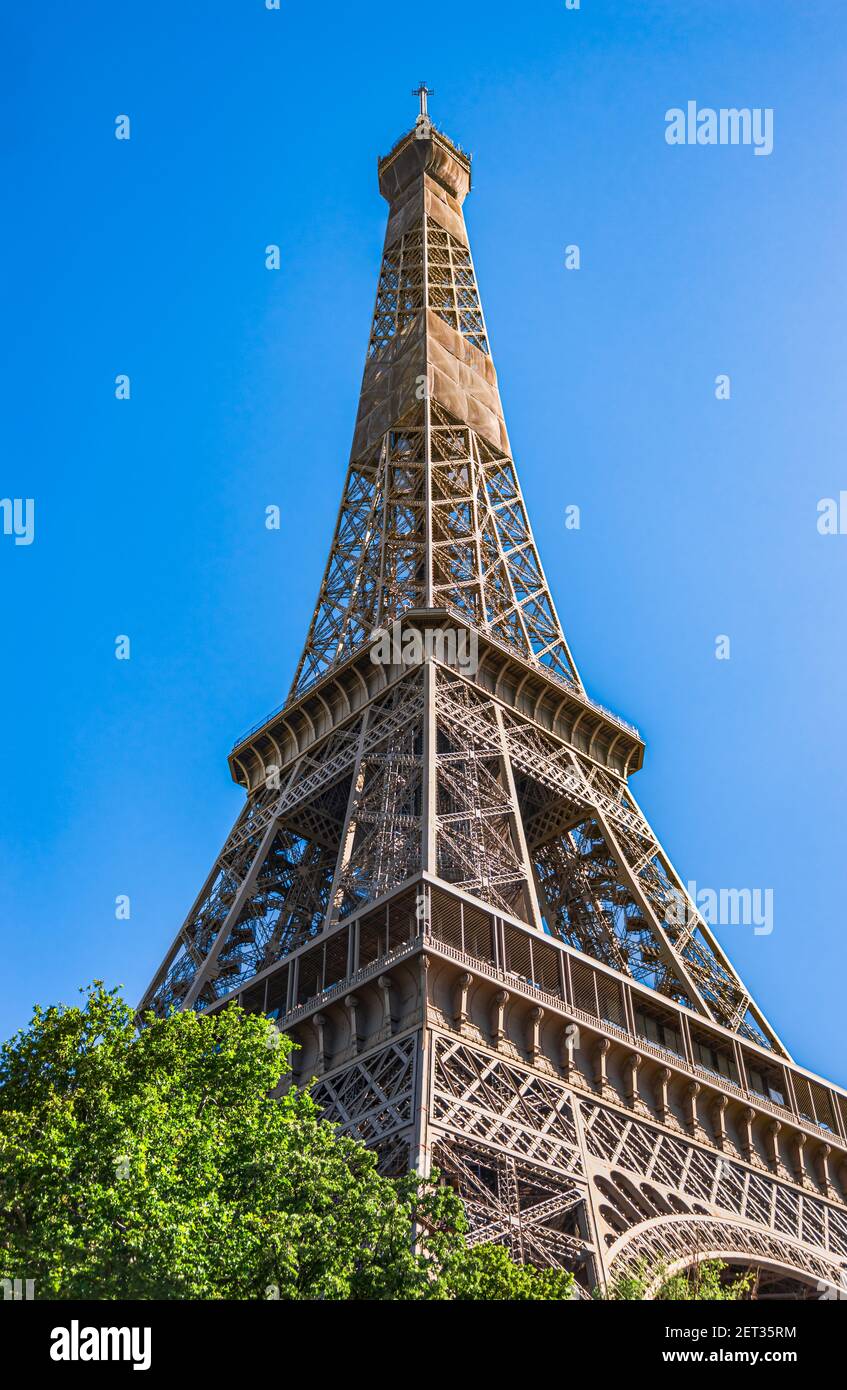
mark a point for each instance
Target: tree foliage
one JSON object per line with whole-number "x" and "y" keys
{"x": 703, "y": 1283}
{"x": 161, "y": 1164}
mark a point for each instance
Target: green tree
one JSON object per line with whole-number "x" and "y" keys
{"x": 704, "y": 1283}
{"x": 160, "y": 1165}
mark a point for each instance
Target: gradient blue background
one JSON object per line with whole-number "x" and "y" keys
{"x": 698, "y": 517}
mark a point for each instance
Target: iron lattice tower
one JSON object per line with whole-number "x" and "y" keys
{"x": 441, "y": 884}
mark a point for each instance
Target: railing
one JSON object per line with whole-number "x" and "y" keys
{"x": 254, "y": 728}
{"x": 574, "y": 690}
{"x": 383, "y": 159}
{"x": 494, "y": 968}
{"x": 509, "y": 979}
{"x": 366, "y": 972}
{"x": 635, "y": 1040}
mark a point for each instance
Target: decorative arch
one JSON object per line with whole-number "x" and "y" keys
{"x": 680, "y": 1241}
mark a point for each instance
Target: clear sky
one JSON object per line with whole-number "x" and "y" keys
{"x": 698, "y": 516}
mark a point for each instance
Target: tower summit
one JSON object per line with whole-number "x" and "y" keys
{"x": 440, "y": 881}
{"x": 423, "y": 91}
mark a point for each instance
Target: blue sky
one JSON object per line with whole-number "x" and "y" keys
{"x": 698, "y": 516}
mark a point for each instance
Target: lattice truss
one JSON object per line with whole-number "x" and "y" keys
{"x": 452, "y": 285}
{"x": 475, "y": 555}
{"x": 507, "y": 1142}
{"x": 522, "y": 822}
{"x": 476, "y": 844}
{"x": 343, "y": 827}
{"x": 446, "y": 281}
{"x": 377, "y": 563}
{"x": 602, "y": 880}
{"x": 484, "y": 560}
{"x": 432, "y": 514}
{"x": 522, "y": 1188}
{"x": 494, "y": 1102}
{"x": 373, "y": 1099}
{"x": 673, "y": 1243}
{"x": 655, "y": 1174}
{"x": 400, "y": 291}
{"x": 538, "y": 1216}
{"x": 382, "y": 843}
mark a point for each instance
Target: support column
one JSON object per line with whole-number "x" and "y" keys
{"x": 429, "y": 772}
{"x": 516, "y": 823}
{"x": 420, "y": 1148}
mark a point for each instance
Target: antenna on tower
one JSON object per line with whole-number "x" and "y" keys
{"x": 423, "y": 91}
{"x": 423, "y": 125}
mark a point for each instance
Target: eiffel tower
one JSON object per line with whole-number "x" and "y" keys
{"x": 442, "y": 886}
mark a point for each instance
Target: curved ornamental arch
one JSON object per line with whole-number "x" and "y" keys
{"x": 678, "y": 1242}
